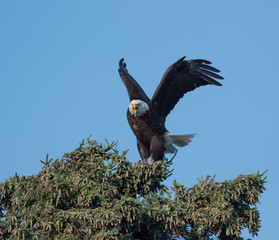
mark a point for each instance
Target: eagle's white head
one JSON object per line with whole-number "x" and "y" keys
{"x": 138, "y": 108}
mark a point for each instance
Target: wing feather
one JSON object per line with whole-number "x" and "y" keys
{"x": 209, "y": 68}
{"x": 134, "y": 89}
{"x": 211, "y": 74}
{"x": 182, "y": 77}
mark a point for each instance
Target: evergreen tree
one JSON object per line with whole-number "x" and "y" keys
{"x": 94, "y": 192}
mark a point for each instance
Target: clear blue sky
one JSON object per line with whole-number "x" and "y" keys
{"x": 59, "y": 83}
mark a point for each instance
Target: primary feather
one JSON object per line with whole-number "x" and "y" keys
{"x": 182, "y": 77}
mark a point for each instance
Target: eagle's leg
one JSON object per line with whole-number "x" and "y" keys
{"x": 143, "y": 151}
{"x": 157, "y": 148}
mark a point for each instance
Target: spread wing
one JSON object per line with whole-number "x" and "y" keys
{"x": 182, "y": 77}
{"x": 134, "y": 89}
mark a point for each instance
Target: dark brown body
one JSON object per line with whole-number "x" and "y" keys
{"x": 149, "y": 131}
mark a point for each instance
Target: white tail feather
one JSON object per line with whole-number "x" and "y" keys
{"x": 179, "y": 140}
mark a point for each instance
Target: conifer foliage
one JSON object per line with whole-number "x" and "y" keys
{"x": 94, "y": 192}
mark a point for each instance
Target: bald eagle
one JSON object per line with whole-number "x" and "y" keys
{"x": 147, "y": 117}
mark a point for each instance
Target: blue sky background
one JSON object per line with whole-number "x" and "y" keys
{"x": 59, "y": 83}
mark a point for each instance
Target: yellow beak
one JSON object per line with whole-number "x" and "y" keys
{"x": 135, "y": 107}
